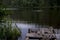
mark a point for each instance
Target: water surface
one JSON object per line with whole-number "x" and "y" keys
{"x": 24, "y": 29}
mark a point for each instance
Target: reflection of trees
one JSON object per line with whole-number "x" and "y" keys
{"x": 50, "y": 14}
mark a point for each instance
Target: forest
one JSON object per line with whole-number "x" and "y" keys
{"x": 42, "y": 12}
{"x": 38, "y": 11}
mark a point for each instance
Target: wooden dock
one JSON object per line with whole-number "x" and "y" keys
{"x": 42, "y": 34}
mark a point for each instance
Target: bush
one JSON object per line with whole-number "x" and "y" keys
{"x": 8, "y": 32}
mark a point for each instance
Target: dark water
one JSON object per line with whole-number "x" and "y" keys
{"x": 24, "y": 29}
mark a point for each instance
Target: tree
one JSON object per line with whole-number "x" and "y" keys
{"x": 49, "y": 14}
{"x": 6, "y": 30}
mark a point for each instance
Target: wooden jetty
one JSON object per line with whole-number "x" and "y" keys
{"x": 41, "y": 34}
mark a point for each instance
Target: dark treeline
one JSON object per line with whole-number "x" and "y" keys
{"x": 37, "y": 11}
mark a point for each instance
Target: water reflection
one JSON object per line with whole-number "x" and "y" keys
{"x": 24, "y": 29}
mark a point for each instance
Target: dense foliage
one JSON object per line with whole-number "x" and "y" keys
{"x": 37, "y": 11}
{"x": 7, "y": 31}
